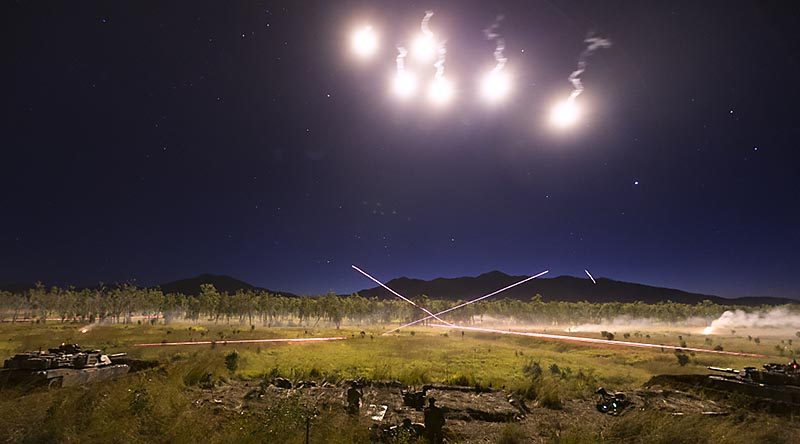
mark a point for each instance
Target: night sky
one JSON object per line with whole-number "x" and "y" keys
{"x": 152, "y": 141}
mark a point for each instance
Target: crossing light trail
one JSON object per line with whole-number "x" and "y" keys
{"x": 590, "y": 276}
{"x": 240, "y": 341}
{"x": 431, "y": 315}
{"x": 565, "y": 338}
{"x": 467, "y": 303}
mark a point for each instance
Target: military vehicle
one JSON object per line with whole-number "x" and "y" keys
{"x": 777, "y": 382}
{"x": 65, "y": 366}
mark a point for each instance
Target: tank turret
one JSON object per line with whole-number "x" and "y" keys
{"x": 779, "y": 382}
{"x": 65, "y": 365}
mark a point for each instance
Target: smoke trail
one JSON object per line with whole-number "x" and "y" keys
{"x": 402, "y": 52}
{"x": 590, "y": 276}
{"x": 424, "y": 25}
{"x": 593, "y": 44}
{"x": 440, "y": 61}
{"x": 500, "y": 44}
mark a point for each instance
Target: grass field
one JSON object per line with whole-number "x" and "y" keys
{"x": 157, "y": 405}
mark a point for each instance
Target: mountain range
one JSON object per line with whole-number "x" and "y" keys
{"x": 561, "y": 288}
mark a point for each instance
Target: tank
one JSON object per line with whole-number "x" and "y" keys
{"x": 64, "y": 366}
{"x": 778, "y": 382}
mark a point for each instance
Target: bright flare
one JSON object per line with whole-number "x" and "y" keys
{"x": 405, "y": 84}
{"x": 424, "y": 48}
{"x": 708, "y": 330}
{"x": 564, "y": 114}
{"x": 495, "y": 86}
{"x": 365, "y": 42}
{"x": 440, "y": 91}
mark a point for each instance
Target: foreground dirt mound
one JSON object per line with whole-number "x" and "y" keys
{"x": 463, "y": 405}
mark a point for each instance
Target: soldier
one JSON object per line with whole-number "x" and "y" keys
{"x": 434, "y": 421}
{"x": 353, "y": 399}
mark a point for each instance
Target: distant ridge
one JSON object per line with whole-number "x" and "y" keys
{"x": 561, "y": 288}
{"x": 191, "y": 286}
{"x": 223, "y": 284}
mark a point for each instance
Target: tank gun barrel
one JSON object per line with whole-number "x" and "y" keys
{"x": 724, "y": 370}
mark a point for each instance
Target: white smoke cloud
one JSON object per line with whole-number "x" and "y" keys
{"x": 779, "y": 318}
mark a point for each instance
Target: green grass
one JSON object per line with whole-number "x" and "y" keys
{"x": 158, "y": 406}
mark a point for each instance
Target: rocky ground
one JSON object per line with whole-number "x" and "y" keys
{"x": 472, "y": 416}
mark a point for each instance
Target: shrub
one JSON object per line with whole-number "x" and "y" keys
{"x": 532, "y": 369}
{"x": 232, "y": 361}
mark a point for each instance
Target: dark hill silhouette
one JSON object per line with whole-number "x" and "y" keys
{"x": 223, "y": 284}
{"x": 561, "y": 288}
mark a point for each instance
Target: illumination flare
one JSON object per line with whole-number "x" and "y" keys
{"x": 441, "y": 90}
{"x": 424, "y": 46}
{"x": 590, "y": 276}
{"x": 566, "y": 113}
{"x": 496, "y": 84}
{"x": 467, "y": 303}
{"x": 364, "y": 41}
{"x": 405, "y": 83}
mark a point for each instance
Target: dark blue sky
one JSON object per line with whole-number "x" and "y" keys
{"x": 151, "y": 141}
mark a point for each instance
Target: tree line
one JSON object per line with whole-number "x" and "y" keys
{"x": 127, "y": 304}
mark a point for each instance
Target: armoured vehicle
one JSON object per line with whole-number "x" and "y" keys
{"x": 778, "y": 382}
{"x": 64, "y": 366}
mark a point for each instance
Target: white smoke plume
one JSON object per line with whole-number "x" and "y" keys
{"x": 500, "y": 44}
{"x": 625, "y": 323}
{"x": 593, "y": 44}
{"x": 776, "y": 318}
